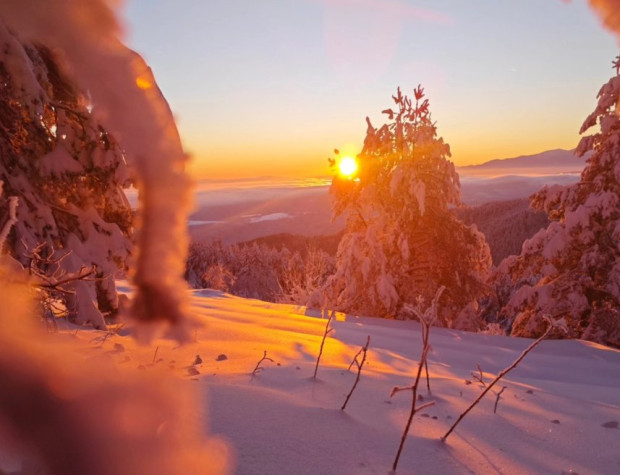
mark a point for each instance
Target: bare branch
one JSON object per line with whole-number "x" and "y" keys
{"x": 258, "y": 368}
{"x": 427, "y": 318}
{"x": 424, "y": 406}
{"x": 498, "y": 395}
{"x": 498, "y": 377}
{"x": 479, "y": 376}
{"x": 328, "y": 330}
{"x": 355, "y": 361}
{"x": 364, "y": 351}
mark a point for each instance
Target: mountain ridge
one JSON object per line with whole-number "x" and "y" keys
{"x": 556, "y": 158}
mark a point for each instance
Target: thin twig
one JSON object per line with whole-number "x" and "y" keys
{"x": 414, "y": 397}
{"x": 364, "y": 352}
{"x": 427, "y": 318}
{"x": 497, "y": 398}
{"x": 70, "y": 278}
{"x": 497, "y": 378}
{"x": 479, "y": 377}
{"x": 327, "y": 331}
{"x": 354, "y": 360}
{"x": 258, "y": 368}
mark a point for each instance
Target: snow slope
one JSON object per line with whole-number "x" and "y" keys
{"x": 284, "y": 422}
{"x": 551, "y": 418}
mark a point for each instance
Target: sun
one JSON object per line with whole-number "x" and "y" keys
{"x": 347, "y": 166}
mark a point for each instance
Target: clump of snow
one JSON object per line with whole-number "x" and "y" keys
{"x": 58, "y": 162}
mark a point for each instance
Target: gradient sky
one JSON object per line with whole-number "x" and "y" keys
{"x": 271, "y": 87}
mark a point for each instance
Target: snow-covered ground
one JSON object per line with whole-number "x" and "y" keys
{"x": 559, "y": 413}
{"x": 550, "y": 420}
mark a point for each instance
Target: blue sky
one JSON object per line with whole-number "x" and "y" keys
{"x": 271, "y": 87}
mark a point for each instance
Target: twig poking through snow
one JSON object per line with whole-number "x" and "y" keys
{"x": 479, "y": 377}
{"x": 498, "y": 395}
{"x": 427, "y": 318}
{"x": 258, "y": 367}
{"x": 328, "y": 330}
{"x": 359, "y": 364}
{"x": 551, "y": 326}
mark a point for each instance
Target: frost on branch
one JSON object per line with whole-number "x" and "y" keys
{"x": 572, "y": 268}
{"x": 402, "y": 239}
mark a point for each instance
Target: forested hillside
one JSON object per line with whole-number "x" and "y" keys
{"x": 505, "y": 224}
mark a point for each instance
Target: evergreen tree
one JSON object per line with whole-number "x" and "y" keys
{"x": 402, "y": 239}
{"x": 572, "y": 268}
{"x": 68, "y": 175}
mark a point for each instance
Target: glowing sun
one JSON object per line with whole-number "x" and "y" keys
{"x": 347, "y": 166}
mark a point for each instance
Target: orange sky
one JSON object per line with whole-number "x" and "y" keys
{"x": 270, "y": 88}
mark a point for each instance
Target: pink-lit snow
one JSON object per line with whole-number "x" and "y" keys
{"x": 559, "y": 413}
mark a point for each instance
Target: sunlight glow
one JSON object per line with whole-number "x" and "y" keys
{"x": 347, "y": 166}
{"x": 143, "y": 83}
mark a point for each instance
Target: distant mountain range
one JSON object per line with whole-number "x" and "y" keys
{"x": 550, "y": 162}
{"x": 249, "y": 209}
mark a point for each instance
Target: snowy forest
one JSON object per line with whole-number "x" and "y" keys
{"x": 113, "y": 317}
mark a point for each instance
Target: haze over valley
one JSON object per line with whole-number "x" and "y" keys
{"x": 237, "y": 211}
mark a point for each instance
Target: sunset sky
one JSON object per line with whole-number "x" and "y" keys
{"x": 271, "y": 87}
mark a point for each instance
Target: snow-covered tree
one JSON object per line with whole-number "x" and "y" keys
{"x": 259, "y": 270}
{"x": 305, "y": 275}
{"x": 67, "y": 174}
{"x": 402, "y": 238}
{"x": 572, "y": 268}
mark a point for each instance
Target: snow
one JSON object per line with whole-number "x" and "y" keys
{"x": 550, "y": 419}
{"x": 58, "y": 162}
{"x": 283, "y": 422}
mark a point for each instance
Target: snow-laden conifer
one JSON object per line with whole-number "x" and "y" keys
{"x": 402, "y": 239}
{"x": 572, "y": 268}
{"x": 67, "y": 173}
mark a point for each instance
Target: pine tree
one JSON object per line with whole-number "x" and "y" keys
{"x": 402, "y": 239}
{"x": 67, "y": 173}
{"x": 572, "y": 268}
